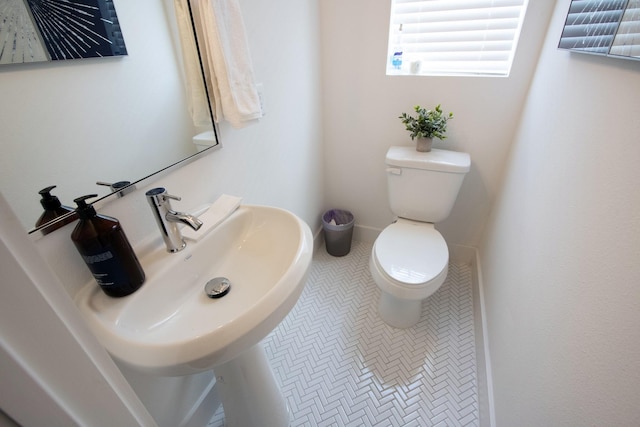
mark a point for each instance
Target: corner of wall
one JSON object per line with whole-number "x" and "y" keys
{"x": 363, "y": 233}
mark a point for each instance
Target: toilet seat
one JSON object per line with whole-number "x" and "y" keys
{"x": 410, "y": 259}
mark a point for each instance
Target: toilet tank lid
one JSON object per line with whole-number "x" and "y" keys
{"x": 435, "y": 160}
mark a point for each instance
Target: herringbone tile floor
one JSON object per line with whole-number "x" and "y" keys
{"x": 339, "y": 364}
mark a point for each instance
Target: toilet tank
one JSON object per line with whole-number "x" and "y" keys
{"x": 424, "y": 186}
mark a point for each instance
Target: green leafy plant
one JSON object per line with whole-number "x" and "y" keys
{"x": 428, "y": 123}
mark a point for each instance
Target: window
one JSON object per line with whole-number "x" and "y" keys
{"x": 454, "y": 37}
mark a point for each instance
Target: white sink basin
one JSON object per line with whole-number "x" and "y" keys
{"x": 170, "y": 327}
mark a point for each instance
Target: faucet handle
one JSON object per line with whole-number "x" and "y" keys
{"x": 120, "y": 187}
{"x": 159, "y": 195}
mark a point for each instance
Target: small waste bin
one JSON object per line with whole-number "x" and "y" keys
{"x": 338, "y": 230}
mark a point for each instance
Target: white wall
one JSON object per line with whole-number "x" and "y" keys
{"x": 562, "y": 248}
{"x": 361, "y": 106}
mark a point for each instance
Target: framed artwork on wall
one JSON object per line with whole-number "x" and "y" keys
{"x": 54, "y": 30}
{"x": 603, "y": 27}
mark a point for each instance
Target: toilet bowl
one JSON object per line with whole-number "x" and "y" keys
{"x": 409, "y": 262}
{"x": 410, "y": 258}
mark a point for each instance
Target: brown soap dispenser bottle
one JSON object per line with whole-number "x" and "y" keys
{"x": 106, "y": 251}
{"x": 53, "y": 209}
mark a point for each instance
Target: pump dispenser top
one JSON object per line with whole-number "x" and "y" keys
{"x": 105, "y": 249}
{"x": 53, "y": 209}
{"x": 85, "y": 211}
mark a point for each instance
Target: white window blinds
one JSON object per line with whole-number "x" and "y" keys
{"x": 454, "y": 37}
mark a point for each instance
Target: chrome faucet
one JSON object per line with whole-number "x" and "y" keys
{"x": 168, "y": 219}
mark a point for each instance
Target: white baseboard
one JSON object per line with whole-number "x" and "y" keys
{"x": 318, "y": 240}
{"x": 486, "y": 409}
{"x": 462, "y": 254}
{"x": 363, "y": 233}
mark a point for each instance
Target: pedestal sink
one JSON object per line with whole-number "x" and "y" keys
{"x": 170, "y": 327}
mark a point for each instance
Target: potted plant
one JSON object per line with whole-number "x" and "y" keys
{"x": 427, "y": 125}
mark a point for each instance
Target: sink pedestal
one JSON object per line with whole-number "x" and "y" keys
{"x": 250, "y": 395}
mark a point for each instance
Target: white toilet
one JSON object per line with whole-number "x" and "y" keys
{"x": 410, "y": 258}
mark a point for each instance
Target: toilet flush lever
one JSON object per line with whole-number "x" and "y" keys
{"x": 394, "y": 171}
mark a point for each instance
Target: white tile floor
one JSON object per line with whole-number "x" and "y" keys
{"x": 340, "y": 365}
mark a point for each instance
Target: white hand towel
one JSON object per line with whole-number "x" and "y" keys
{"x": 227, "y": 52}
{"x": 195, "y": 89}
{"x": 220, "y": 210}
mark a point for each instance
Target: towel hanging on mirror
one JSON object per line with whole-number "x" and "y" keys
{"x": 227, "y": 60}
{"x": 196, "y": 96}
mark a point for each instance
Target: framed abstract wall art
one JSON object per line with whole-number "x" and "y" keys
{"x": 603, "y": 27}
{"x": 55, "y": 30}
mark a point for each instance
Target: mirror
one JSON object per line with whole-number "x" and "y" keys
{"x": 76, "y": 123}
{"x": 603, "y": 27}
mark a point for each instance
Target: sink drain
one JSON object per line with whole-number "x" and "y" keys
{"x": 218, "y": 287}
